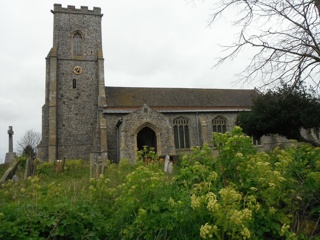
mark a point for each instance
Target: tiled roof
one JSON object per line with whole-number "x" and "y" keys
{"x": 178, "y": 98}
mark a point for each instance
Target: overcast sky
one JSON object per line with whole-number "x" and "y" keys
{"x": 146, "y": 43}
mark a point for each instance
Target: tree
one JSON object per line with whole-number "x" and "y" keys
{"x": 28, "y": 144}
{"x": 284, "y": 111}
{"x": 284, "y": 34}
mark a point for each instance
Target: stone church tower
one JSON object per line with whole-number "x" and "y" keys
{"x": 72, "y": 116}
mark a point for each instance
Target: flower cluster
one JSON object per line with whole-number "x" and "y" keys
{"x": 207, "y": 231}
{"x": 229, "y": 195}
{"x": 195, "y": 202}
{"x": 212, "y": 202}
{"x": 239, "y": 217}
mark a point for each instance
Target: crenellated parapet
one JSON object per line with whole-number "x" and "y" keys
{"x": 72, "y": 9}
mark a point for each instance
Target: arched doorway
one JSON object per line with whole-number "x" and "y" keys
{"x": 147, "y": 137}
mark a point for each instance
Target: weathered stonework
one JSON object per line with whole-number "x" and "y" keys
{"x": 81, "y": 118}
{"x": 122, "y": 141}
{"x": 72, "y": 114}
{"x": 137, "y": 120}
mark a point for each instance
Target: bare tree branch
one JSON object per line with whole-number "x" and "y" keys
{"x": 285, "y": 35}
{"x": 30, "y": 140}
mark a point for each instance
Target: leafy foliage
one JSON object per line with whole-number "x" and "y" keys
{"x": 232, "y": 193}
{"x": 284, "y": 111}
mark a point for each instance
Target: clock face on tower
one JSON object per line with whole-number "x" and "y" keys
{"x": 77, "y": 70}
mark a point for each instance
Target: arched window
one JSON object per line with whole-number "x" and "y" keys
{"x": 181, "y": 133}
{"x": 77, "y": 44}
{"x": 219, "y": 124}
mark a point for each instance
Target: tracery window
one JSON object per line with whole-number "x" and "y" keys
{"x": 181, "y": 133}
{"x": 219, "y": 124}
{"x": 77, "y": 44}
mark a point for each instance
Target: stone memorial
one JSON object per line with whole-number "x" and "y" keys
{"x": 10, "y": 173}
{"x": 30, "y": 169}
{"x": 10, "y": 155}
{"x": 97, "y": 167}
{"x": 170, "y": 167}
{"x": 166, "y": 163}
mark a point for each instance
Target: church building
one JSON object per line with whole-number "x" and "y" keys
{"x": 82, "y": 118}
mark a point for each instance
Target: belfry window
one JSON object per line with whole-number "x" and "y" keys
{"x": 77, "y": 44}
{"x": 181, "y": 133}
{"x": 219, "y": 124}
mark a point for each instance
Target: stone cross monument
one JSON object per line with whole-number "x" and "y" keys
{"x": 10, "y": 155}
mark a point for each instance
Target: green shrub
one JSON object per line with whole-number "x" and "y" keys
{"x": 233, "y": 192}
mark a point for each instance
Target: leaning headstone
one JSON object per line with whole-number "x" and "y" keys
{"x": 10, "y": 155}
{"x": 27, "y": 169}
{"x": 11, "y": 171}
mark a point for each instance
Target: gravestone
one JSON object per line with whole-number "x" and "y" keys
{"x": 170, "y": 167}
{"x": 10, "y": 155}
{"x": 30, "y": 169}
{"x": 168, "y": 164}
{"x": 10, "y": 173}
{"x": 60, "y": 165}
{"x": 97, "y": 167}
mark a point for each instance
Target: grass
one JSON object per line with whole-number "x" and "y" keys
{"x": 74, "y": 178}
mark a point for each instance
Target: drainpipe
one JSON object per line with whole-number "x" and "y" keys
{"x": 199, "y": 131}
{"x": 118, "y": 138}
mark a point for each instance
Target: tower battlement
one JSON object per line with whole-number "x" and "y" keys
{"x": 72, "y": 9}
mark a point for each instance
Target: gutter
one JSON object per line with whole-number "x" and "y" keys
{"x": 120, "y": 120}
{"x": 126, "y": 111}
